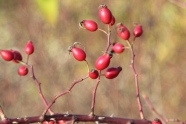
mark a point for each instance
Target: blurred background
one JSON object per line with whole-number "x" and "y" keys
{"x": 52, "y": 25}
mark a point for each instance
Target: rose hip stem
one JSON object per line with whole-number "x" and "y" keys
{"x": 94, "y": 96}
{"x": 62, "y": 93}
{"x": 39, "y": 88}
{"x": 136, "y": 80}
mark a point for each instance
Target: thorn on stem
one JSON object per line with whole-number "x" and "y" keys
{"x": 101, "y": 118}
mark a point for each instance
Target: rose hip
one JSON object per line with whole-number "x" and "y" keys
{"x": 123, "y": 32}
{"x": 105, "y": 14}
{"x": 112, "y": 72}
{"x": 29, "y": 49}
{"x": 7, "y": 55}
{"x": 22, "y": 70}
{"x": 89, "y": 25}
{"x": 103, "y": 62}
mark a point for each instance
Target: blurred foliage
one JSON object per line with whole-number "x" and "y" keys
{"x": 53, "y": 26}
{"x": 49, "y": 9}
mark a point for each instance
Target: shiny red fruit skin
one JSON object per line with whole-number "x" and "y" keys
{"x": 156, "y": 121}
{"x": 90, "y": 25}
{"x": 118, "y": 48}
{"x": 112, "y": 72}
{"x": 7, "y": 55}
{"x": 22, "y": 70}
{"x": 113, "y": 21}
{"x": 105, "y": 14}
{"x": 102, "y": 62}
{"x": 123, "y": 32}
{"x": 29, "y": 49}
{"x": 17, "y": 56}
{"x": 61, "y": 122}
{"x": 48, "y": 122}
{"x": 138, "y": 31}
{"x": 78, "y": 54}
{"x": 93, "y": 74}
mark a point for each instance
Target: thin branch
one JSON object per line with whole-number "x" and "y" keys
{"x": 78, "y": 118}
{"x": 62, "y": 93}
{"x": 154, "y": 110}
{"x": 136, "y": 80}
{"x": 108, "y": 39}
{"x": 39, "y": 89}
{"x": 94, "y": 96}
{"x": 175, "y": 120}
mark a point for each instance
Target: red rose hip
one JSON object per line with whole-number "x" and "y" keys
{"x": 22, "y": 70}
{"x": 112, "y": 21}
{"x": 89, "y": 25}
{"x": 123, "y": 32}
{"x": 103, "y": 62}
{"x": 112, "y": 72}
{"x": 118, "y": 48}
{"x": 93, "y": 74}
{"x": 49, "y": 122}
{"x": 29, "y": 49}
{"x": 138, "y": 31}
{"x": 17, "y": 56}
{"x": 7, "y": 55}
{"x": 78, "y": 54}
{"x": 156, "y": 121}
{"x": 105, "y": 14}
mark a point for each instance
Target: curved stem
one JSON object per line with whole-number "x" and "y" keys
{"x": 61, "y": 94}
{"x": 94, "y": 96}
{"x": 102, "y": 30}
{"x": 136, "y": 80}
{"x": 27, "y": 59}
{"x": 153, "y": 109}
{"x": 87, "y": 65}
{"x": 39, "y": 89}
{"x": 108, "y": 41}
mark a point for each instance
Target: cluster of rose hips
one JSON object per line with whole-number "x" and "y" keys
{"x": 16, "y": 57}
{"x": 106, "y": 16}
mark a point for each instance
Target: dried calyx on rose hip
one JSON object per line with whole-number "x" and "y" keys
{"x": 156, "y": 121}
{"x": 93, "y": 74}
{"x": 122, "y": 31}
{"x": 138, "y": 31}
{"x": 7, "y": 55}
{"x": 105, "y": 14}
{"x": 103, "y": 61}
{"x": 90, "y": 25}
{"x": 29, "y": 48}
{"x": 78, "y": 53}
{"x": 17, "y": 56}
{"x": 112, "y": 72}
{"x": 118, "y": 48}
{"x": 22, "y": 70}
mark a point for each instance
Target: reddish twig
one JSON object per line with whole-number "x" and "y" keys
{"x": 74, "y": 118}
{"x": 108, "y": 39}
{"x": 153, "y": 109}
{"x": 136, "y": 80}
{"x": 175, "y": 120}
{"x": 39, "y": 88}
{"x": 94, "y": 96}
{"x": 61, "y": 94}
